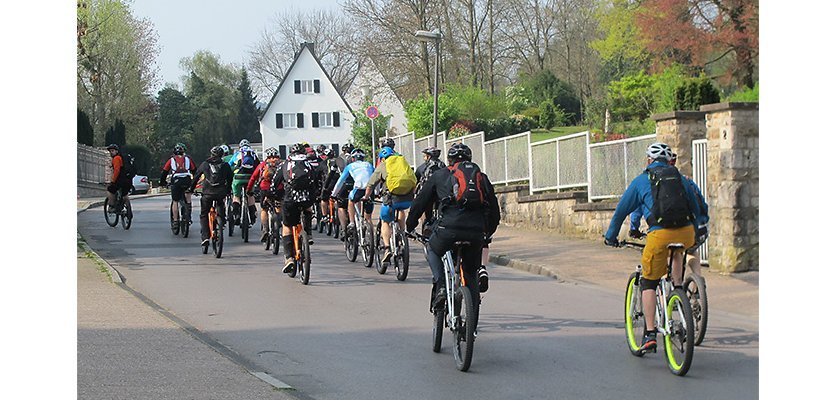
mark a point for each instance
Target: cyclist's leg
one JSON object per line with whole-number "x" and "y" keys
{"x": 205, "y": 205}
{"x": 308, "y": 219}
{"x": 351, "y": 212}
{"x": 266, "y": 203}
{"x": 220, "y": 208}
{"x": 694, "y": 261}
{"x": 368, "y": 209}
{"x": 187, "y": 196}
{"x": 111, "y": 194}
{"x": 471, "y": 257}
{"x": 387, "y": 216}
{"x": 291, "y": 216}
{"x": 251, "y": 206}
{"x": 177, "y": 193}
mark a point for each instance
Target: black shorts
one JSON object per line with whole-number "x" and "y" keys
{"x": 368, "y": 206}
{"x": 291, "y": 212}
{"x": 267, "y": 198}
{"x": 342, "y": 197}
{"x": 179, "y": 186}
{"x": 123, "y": 186}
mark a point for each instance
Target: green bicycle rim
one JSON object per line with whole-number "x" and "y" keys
{"x": 630, "y": 332}
{"x": 668, "y": 345}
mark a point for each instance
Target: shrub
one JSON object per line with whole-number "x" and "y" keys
{"x": 547, "y": 118}
{"x": 473, "y": 102}
{"x": 694, "y": 93}
{"x": 458, "y": 130}
{"x": 745, "y": 95}
{"x": 419, "y": 114}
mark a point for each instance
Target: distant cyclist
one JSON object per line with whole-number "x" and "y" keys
{"x": 263, "y": 177}
{"x": 670, "y": 220}
{"x": 243, "y": 165}
{"x": 119, "y": 180}
{"x": 360, "y": 170}
{"x": 180, "y": 168}
{"x": 399, "y": 183}
{"x": 337, "y": 167}
{"x": 431, "y": 163}
{"x": 469, "y": 214}
{"x": 217, "y": 182}
{"x": 298, "y": 177}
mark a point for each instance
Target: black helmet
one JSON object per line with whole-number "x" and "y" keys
{"x": 347, "y": 148}
{"x": 460, "y": 152}
{"x": 113, "y": 146}
{"x": 217, "y": 151}
{"x": 328, "y": 153}
{"x": 297, "y": 148}
{"x": 432, "y": 151}
{"x": 320, "y": 148}
{"x": 179, "y": 148}
{"x": 387, "y": 142}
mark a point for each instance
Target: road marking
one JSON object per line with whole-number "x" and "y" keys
{"x": 271, "y": 380}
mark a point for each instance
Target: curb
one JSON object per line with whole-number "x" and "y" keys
{"x": 115, "y": 276}
{"x": 538, "y": 269}
{"x": 101, "y": 202}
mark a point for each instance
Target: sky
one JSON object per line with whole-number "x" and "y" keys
{"x": 226, "y": 28}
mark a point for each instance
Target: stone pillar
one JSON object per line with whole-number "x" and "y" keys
{"x": 733, "y": 179}
{"x": 678, "y": 129}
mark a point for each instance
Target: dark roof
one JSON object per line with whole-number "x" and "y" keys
{"x": 295, "y": 59}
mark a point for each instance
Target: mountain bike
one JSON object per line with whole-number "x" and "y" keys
{"x": 301, "y": 252}
{"x": 230, "y": 216}
{"x": 458, "y": 313}
{"x": 399, "y": 248}
{"x": 184, "y": 223}
{"x": 121, "y": 209}
{"x": 360, "y": 238}
{"x": 673, "y": 316}
{"x": 273, "y": 225}
{"x": 696, "y": 291}
{"x": 215, "y": 230}
{"x": 332, "y": 219}
{"x": 245, "y": 222}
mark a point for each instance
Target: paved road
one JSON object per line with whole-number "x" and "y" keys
{"x": 355, "y": 334}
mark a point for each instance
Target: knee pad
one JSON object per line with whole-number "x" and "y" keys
{"x": 647, "y": 284}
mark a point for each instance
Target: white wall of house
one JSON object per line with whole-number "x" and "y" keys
{"x": 382, "y": 95}
{"x": 289, "y": 105}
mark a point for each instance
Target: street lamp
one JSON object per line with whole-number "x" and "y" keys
{"x": 433, "y": 36}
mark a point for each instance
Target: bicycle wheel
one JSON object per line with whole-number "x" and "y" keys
{"x": 351, "y": 245}
{"x": 438, "y": 329}
{"x": 217, "y": 242}
{"x": 679, "y": 342}
{"x": 368, "y": 247}
{"x": 464, "y": 333}
{"x": 268, "y": 241}
{"x": 401, "y": 260}
{"x": 378, "y": 258}
{"x": 184, "y": 219}
{"x": 230, "y": 220}
{"x": 697, "y": 293}
{"x": 245, "y": 224}
{"x": 634, "y": 316}
{"x": 175, "y": 228}
{"x": 276, "y": 235}
{"x": 127, "y": 216}
{"x": 111, "y": 218}
{"x": 304, "y": 268}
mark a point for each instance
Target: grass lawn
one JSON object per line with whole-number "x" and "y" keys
{"x": 543, "y": 134}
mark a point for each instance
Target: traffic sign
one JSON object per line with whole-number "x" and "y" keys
{"x": 372, "y": 112}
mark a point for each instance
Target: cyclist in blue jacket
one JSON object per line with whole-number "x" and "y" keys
{"x": 360, "y": 170}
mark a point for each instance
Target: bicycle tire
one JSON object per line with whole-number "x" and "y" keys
{"x": 401, "y": 261}
{"x": 184, "y": 219}
{"x": 351, "y": 245}
{"x": 276, "y": 236}
{"x": 681, "y": 335}
{"x": 438, "y": 329}
{"x": 634, "y": 315}
{"x": 697, "y": 293}
{"x": 464, "y": 335}
{"x": 268, "y": 240}
{"x": 230, "y": 220}
{"x": 175, "y": 228}
{"x": 304, "y": 268}
{"x": 378, "y": 258}
{"x": 217, "y": 245}
{"x": 112, "y": 219}
{"x": 245, "y": 224}
{"x": 127, "y": 216}
{"x": 368, "y": 248}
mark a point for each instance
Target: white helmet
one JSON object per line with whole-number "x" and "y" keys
{"x": 243, "y": 143}
{"x": 659, "y": 151}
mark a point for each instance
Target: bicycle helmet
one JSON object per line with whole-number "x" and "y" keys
{"x": 460, "y": 152}
{"x": 387, "y": 142}
{"x": 217, "y": 151}
{"x": 244, "y": 143}
{"x": 432, "y": 151}
{"x": 305, "y": 144}
{"x": 225, "y": 148}
{"x": 347, "y": 148}
{"x": 358, "y": 154}
{"x": 386, "y": 152}
{"x": 271, "y": 152}
{"x": 297, "y": 148}
{"x": 179, "y": 149}
{"x": 659, "y": 151}
{"x": 113, "y": 146}
{"x": 328, "y": 153}
{"x": 320, "y": 148}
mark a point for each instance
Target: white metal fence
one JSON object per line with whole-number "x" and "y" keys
{"x": 700, "y": 178}
{"x": 612, "y": 165}
{"x": 506, "y": 159}
{"x": 93, "y": 164}
{"x": 475, "y": 141}
{"x": 426, "y": 141}
{"x": 405, "y": 145}
{"x": 559, "y": 163}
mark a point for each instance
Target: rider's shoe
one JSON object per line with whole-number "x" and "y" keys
{"x": 264, "y": 237}
{"x": 205, "y": 243}
{"x": 175, "y": 224}
{"x": 111, "y": 209}
{"x": 289, "y": 264}
{"x": 649, "y": 343}
{"x": 440, "y": 298}
{"x": 386, "y": 254}
{"x": 483, "y": 279}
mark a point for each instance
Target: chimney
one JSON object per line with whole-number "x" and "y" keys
{"x": 312, "y": 47}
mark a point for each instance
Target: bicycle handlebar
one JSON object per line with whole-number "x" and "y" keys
{"x": 418, "y": 237}
{"x": 624, "y": 243}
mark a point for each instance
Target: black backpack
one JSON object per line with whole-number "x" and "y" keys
{"x": 670, "y": 208}
{"x": 300, "y": 175}
{"x": 129, "y": 167}
{"x": 467, "y": 185}
{"x": 214, "y": 178}
{"x": 431, "y": 166}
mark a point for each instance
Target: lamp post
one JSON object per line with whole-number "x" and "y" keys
{"x": 433, "y": 36}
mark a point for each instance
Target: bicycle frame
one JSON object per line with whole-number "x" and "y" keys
{"x": 454, "y": 279}
{"x": 663, "y": 290}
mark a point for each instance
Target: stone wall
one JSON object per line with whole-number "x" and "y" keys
{"x": 679, "y": 129}
{"x": 733, "y": 185}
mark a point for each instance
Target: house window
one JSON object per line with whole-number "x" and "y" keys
{"x": 289, "y": 120}
{"x": 306, "y": 86}
{"x": 325, "y": 119}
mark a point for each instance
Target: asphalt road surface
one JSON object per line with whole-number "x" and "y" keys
{"x": 355, "y": 334}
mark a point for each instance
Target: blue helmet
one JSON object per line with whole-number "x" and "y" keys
{"x": 386, "y": 152}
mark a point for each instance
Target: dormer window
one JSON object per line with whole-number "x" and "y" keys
{"x": 306, "y": 86}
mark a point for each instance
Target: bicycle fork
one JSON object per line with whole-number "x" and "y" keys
{"x": 449, "y": 273}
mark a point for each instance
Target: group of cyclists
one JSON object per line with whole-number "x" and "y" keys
{"x": 455, "y": 201}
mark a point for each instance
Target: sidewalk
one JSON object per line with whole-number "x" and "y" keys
{"x": 586, "y": 261}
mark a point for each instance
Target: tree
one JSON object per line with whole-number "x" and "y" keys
{"x": 419, "y": 113}
{"x": 248, "y": 126}
{"x": 544, "y": 85}
{"x": 84, "y": 131}
{"x": 718, "y": 35}
{"x": 115, "y": 65}
{"x": 116, "y": 134}
{"x": 214, "y": 100}
{"x": 547, "y": 118}
{"x": 361, "y": 128}
{"x": 174, "y": 123}
{"x": 622, "y": 49}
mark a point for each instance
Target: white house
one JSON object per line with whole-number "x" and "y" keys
{"x": 370, "y": 79}
{"x": 306, "y": 107}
